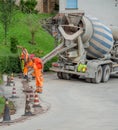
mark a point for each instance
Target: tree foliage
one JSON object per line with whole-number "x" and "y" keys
{"x": 33, "y": 26}
{"x": 28, "y": 6}
{"x": 14, "y": 43}
{"x": 6, "y": 11}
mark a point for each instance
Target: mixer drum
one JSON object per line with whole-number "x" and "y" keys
{"x": 98, "y": 36}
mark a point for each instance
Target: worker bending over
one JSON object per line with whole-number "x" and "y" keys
{"x": 28, "y": 65}
{"x": 24, "y": 60}
{"x": 38, "y": 68}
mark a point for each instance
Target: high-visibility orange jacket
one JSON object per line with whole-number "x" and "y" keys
{"x": 38, "y": 66}
{"x": 27, "y": 65}
{"x": 24, "y": 56}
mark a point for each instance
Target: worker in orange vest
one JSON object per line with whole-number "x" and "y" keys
{"x": 38, "y": 68}
{"x": 24, "y": 54}
{"x": 29, "y": 64}
{"x": 24, "y": 59}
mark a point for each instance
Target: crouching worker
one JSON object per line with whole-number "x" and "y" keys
{"x": 24, "y": 59}
{"x": 28, "y": 65}
{"x": 38, "y": 68}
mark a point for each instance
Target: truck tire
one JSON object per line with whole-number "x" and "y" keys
{"x": 98, "y": 75}
{"x": 66, "y": 76}
{"x": 59, "y": 75}
{"x": 75, "y": 76}
{"x": 106, "y": 73}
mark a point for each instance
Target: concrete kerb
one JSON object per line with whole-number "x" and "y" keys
{"x": 20, "y": 104}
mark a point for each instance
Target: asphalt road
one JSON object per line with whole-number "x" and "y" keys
{"x": 75, "y": 105}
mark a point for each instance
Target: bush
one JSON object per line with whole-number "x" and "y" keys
{"x": 0, "y": 78}
{"x": 28, "y": 6}
{"x": 2, "y": 103}
{"x": 9, "y": 64}
{"x": 12, "y": 64}
{"x": 14, "y": 43}
{"x": 2, "y": 100}
{"x": 49, "y": 64}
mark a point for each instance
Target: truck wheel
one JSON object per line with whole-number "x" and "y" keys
{"x": 98, "y": 75}
{"x": 106, "y": 73}
{"x": 59, "y": 75}
{"x": 66, "y": 76}
{"x": 75, "y": 76}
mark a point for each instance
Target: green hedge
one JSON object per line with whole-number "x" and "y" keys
{"x": 9, "y": 64}
{"x": 49, "y": 64}
{"x": 12, "y": 64}
{"x": 2, "y": 102}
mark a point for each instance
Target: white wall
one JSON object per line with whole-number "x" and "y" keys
{"x": 104, "y": 10}
{"x": 62, "y": 6}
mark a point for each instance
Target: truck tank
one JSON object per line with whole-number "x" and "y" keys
{"x": 97, "y": 36}
{"x": 86, "y": 44}
{"x": 88, "y": 48}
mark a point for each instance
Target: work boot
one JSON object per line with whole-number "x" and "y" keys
{"x": 33, "y": 77}
{"x": 38, "y": 90}
{"x": 25, "y": 77}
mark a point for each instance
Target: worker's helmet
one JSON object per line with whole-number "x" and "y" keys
{"x": 31, "y": 56}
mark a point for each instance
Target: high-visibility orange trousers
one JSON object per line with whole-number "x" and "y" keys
{"x": 39, "y": 80}
{"x": 25, "y": 70}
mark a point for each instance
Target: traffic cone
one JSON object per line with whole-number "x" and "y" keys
{"x": 30, "y": 92}
{"x": 12, "y": 83}
{"x": 36, "y": 101}
{"x": 32, "y": 95}
{"x": 14, "y": 93}
{"x": 27, "y": 98}
{"x": 27, "y": 107}
{"x": 6, "y": 116}
{"x": 8, "y": 81}
{"x": 12, "y": 79}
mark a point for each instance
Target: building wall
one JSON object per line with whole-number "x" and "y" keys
{"x": 104, "y": 10}
{"x": 46, "y": 7}
{"x": 41, "y": 6}
{"x": 51, "y": 5}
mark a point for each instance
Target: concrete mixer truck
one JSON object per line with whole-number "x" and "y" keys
{"x": 88, "y": 48}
